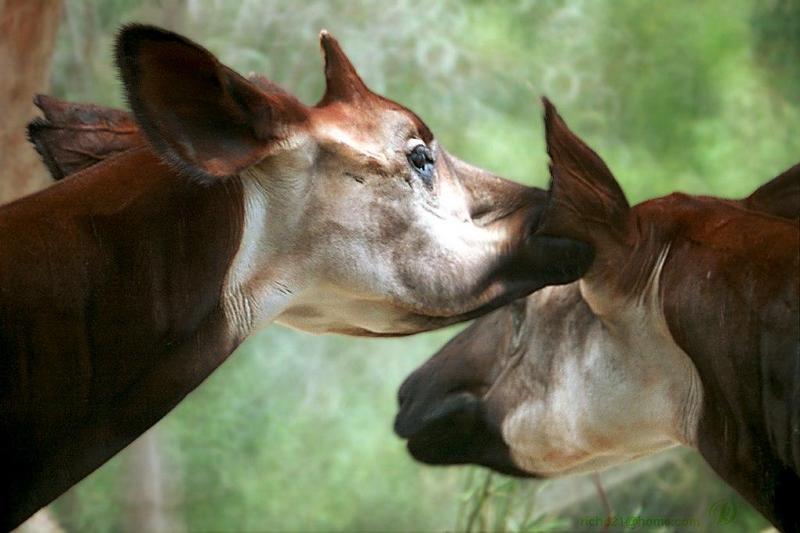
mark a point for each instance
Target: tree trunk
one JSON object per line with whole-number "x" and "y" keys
{"x": 42, "y": 522}
{"x": 150, "y": 488}
{"x": 27, "y": 36}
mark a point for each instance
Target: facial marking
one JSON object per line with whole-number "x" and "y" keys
{"x": 377, "y": 136}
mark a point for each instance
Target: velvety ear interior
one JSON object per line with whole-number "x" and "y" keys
{"x": 195, "y": 111}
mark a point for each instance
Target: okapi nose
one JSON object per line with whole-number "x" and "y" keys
{"x": 454, "y": 410}
{"x": 563, "y": 260}
{"x": 419, "y": 383}
{"x": 454, "y": 429}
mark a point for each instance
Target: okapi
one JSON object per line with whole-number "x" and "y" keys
{"x": 684, "y": 331}
{"x": 125, "y": 285}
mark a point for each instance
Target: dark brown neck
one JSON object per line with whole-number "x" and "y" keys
{"x": 110, "y": 314}
{"x": 730, "y": 289}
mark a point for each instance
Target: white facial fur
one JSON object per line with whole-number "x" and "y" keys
{"x": 592, "y": 392}
{"x": 341, "y": 235}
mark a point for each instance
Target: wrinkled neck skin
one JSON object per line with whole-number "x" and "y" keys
{"x": 254, "y": 296}
{"x": 602, "y": 355}
{"x": 636, "y": 328}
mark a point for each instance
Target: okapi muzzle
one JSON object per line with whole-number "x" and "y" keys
{"x": 448, "y": 412}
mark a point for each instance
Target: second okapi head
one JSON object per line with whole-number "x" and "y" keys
{"x": 685, "y": 330}
{"x": 357, "y": 220}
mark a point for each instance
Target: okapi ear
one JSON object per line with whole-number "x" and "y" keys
{"x": 585, "y": 202}
{"x": 71, "y": 136}
{"x": 779, "y": 197}
{"x": 342, "y": 82}
{"x": 195, "y": 111}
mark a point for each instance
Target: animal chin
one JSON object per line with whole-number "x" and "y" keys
{"x": 427, "y": 317}
{"x": 444, "y": 450}
{"x": 501, "y": 297}
{"x": 421, "y": 318}
{"x": 410, "y": 325}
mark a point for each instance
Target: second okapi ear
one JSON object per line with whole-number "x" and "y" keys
{"x": 779, "y": 197}
{"x": 342, "y": 82}
{"x": 71, "y": 136}
{"x": 195, "y": 111}
{"x": 585, "y": 201}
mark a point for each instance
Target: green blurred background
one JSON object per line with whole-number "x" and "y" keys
{"x": 294, "y": 431}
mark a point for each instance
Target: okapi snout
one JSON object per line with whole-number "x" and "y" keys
{"x": 454, "y": 429}
{"x": 445, "y": 417}
{"x": 553, "y": 260}
{"x": 536, "y": 260}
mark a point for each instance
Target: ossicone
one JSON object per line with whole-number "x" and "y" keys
{"x": 342, "y": 82}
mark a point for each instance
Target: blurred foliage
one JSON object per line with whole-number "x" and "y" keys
{"x": 680, "y": 492}
{"x": 294, "y": 432}
{"x": 776, "y": 32}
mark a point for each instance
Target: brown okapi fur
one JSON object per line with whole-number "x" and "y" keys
{"x": 685, "y": 331}
{"x": 125, "y": 285}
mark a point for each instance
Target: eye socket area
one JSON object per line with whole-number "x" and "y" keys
{"x": 422, "y": 160}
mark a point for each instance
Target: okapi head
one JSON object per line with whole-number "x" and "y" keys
{"x": 357, "y": 219}
{"x": 685, "y": 330}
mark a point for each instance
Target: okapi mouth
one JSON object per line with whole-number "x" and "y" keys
{"x": 456, "y": 431}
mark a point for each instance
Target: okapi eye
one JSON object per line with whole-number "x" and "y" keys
{"x": 418, "y": 157}
{"x": 421, "y": 158}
